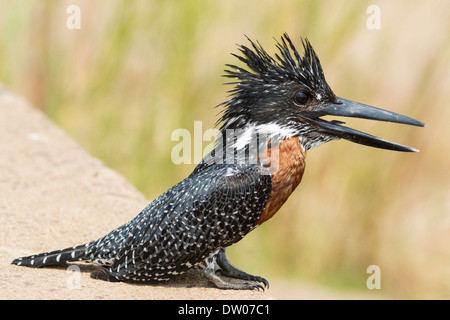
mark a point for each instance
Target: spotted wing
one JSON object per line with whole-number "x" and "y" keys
{"x": 210, "y": 209}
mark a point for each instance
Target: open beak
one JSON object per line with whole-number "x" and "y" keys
{"x": 348, "y": 108}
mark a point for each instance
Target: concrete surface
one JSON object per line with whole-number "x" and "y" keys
{"x": 53, "y": 194}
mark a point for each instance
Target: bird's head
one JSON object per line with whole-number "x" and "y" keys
{"x": 287, "y": 96}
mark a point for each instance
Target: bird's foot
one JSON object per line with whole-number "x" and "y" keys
{"x": 239, "y": 274}
{"x": 228, "y": 270}
{"x": 224, "y": 283}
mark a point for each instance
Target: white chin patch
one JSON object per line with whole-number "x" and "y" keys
{"x": 266, "y": 131}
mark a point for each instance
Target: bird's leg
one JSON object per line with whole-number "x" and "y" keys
{"x": 228, "y": 270}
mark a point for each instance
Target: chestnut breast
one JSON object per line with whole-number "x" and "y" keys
{"x": 287, "y": 163}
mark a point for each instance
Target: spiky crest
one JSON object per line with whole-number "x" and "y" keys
{"x": 265, "y": 72}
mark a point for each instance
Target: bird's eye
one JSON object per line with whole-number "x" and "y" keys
{"x": 301, "y": 97}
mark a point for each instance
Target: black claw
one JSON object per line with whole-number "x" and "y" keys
{"x": 266, "y": 283}
{"x": 254, "y": 286}
{"x": 260, "y": 287}
{"x": 259, "y": 279}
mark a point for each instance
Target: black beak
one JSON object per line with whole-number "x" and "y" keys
{"x": 348, "y": 108}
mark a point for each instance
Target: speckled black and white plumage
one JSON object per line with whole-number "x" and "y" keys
{"x": 207, "y": 211}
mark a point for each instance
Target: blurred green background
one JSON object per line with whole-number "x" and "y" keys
{"x": 138, "y": 70}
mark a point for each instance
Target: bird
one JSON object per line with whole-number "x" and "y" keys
{"x": 272, "y": 116}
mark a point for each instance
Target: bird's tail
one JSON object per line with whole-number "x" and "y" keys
{"x": 76, "y": 253}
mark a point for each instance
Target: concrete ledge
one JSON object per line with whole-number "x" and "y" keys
{"x": 53, "y": 194}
